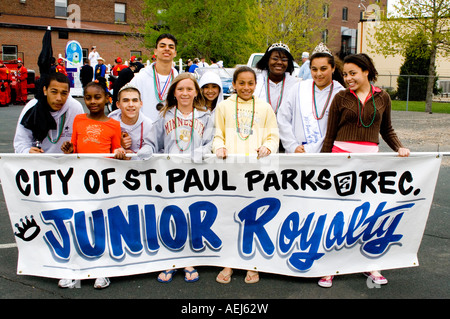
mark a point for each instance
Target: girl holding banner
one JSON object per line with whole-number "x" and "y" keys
{"x": 302, "y": 127}
{"x": 247, "y": 125}
{"x": 94, "y": 133}
{"x": 183, "y": 127}
{"x": 357, "y": 116}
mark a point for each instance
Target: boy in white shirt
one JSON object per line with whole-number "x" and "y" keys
{"x": 134, "y": 124}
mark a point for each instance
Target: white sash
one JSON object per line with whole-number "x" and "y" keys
{"x": 310, "y": 124}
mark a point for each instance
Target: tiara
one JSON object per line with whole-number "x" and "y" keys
{"x": 279, "y": 45}
{"x": 322, "y": 48}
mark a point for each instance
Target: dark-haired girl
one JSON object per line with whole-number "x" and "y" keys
{"x": 246, "y": 125}
{"x": 275, "y": 78}
{"x": 357, "y": 117}
{"x": 304, "y": 113}
{"x": 94, "y": 132}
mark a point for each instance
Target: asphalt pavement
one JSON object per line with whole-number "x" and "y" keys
{"x": 430, "y": 280}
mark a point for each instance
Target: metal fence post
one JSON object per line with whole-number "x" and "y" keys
{"x": 407, "y": 94}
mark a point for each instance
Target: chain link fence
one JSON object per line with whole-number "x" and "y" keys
{"x": 409, "y": 91}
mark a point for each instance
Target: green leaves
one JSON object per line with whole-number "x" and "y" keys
{"x": 232, "y": 30}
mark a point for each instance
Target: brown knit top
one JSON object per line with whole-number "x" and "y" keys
{"x": 344, "y": 124}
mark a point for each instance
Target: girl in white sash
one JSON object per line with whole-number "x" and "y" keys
{"x": 302, "y": 117}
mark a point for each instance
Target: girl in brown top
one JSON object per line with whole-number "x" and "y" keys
{"x": 357, "y": 116}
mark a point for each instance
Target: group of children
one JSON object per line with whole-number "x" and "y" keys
{"x": 196, "y": 120}
{"x": 186, "y": 125}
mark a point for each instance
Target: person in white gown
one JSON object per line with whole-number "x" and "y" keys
{"x": 303, "y": 113}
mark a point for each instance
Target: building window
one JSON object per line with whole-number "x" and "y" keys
{"x": 326, "y": 11}
{"x": 344, "y": 14}
{"x": 63, "y": 35}
{"x": 137, "y": 54}
{"x": 9, "y": 52}
{"x": 325, "y": 36}
{"x": 119, "y": 12}
{"x": 85, "y": 53}
{"x": 61, "y": 8}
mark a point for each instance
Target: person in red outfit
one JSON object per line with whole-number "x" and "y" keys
{"x": 119, "y": 66}
{"x": 5, "y": 88}
{"x": 60, "y": 67}
{"x": 21, "y": 86}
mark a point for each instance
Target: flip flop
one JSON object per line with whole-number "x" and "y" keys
{"x": 225, "y": 276}
{"x": 254, "y": 278}
{"x": 190, "y": 273}
{"x": 167, "y": 272}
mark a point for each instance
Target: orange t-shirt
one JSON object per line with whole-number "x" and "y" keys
{"x": 90, "y": 136}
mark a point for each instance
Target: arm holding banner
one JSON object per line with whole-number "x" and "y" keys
{"x": 155, "y": 143}
{"x": 219, "y": 134}
{"x": 332, "y": 125}
{"x": 388, "y": 133}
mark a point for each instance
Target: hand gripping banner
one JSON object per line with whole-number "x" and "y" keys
{"x": 299, "y": 215}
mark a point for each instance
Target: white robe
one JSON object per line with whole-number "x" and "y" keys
{"x": 296, "y": 121}
{"x": 275, "y": 89}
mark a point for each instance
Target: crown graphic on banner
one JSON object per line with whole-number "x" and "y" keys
{"x": 27, "y": 224}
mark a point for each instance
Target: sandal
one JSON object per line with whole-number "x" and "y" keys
{"x": 226, "y": 278}
{"x": 252, "y": 277}
{"x": 193, "y": 271}
{"x": 326, "y": 282}
{"x": 167, "y": 272}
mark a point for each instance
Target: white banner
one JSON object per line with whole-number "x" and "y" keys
{"x": 297, "y": 215}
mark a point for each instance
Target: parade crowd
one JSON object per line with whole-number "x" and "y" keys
{"x": 335, "y": 107}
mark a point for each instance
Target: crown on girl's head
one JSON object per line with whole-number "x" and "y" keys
{"x": 322, "y": 48}
{"x": 279, "y": 45}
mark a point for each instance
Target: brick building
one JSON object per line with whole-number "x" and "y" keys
{"x": 343, "y": 17}
{"x": 103, "y": 23}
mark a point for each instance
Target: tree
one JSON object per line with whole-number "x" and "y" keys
{"x": 417, "y": 62}
{"x": 234, "y": 29}
{"x": 430, "y": 17}
{"x": 225, "y": 30}
{"x": 297, "y": 23}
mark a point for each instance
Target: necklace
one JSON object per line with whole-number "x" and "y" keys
{"x": 157, "y": 85}
{"x": 281, "y": 94}
{"x": 62, "y": 120}
{"x": 238, "y": 129}
{"x": 176, "y": 134}
{"x": 316, "y": 115}
{"x": 360, "y": 110}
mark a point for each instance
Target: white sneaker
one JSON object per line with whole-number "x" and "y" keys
{"x": 101, "y": 282}
{"x": 68, "y": 283}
